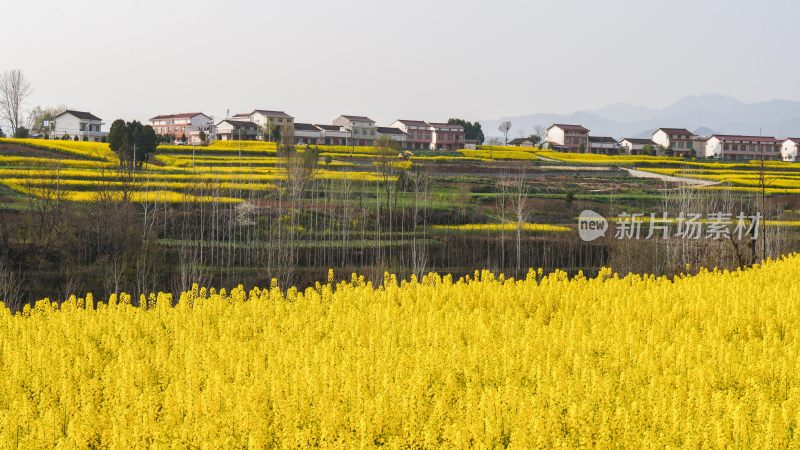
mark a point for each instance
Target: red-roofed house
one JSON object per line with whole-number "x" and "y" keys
{"x": 572, "y": 138}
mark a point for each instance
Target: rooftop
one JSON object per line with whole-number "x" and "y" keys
{"x": 390, "y": 130}
{"x": 178, "y": 116}
{"x": 565, "y": 126}
{"x": 80, "y": 115}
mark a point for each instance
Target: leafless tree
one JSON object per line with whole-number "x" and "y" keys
{"x": 14, "y": 89}
{"x": 505, "y": 128}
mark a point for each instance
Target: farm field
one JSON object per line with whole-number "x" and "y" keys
{"x": 544, "y": 361}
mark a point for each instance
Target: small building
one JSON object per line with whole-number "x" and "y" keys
{"x": 237, "y": 130}
{"x": 196, "y": 128}
{"x": 447, "y": 136}
{"x": 570, "y": 138}
{"x": 333, "y": 134}
{"x": 85, "y": 125}
{"x": 633, "y": 146}
{"x": 396, "y": 134}
{"x": 521, "y": 142}
{"x": 362, "y": 129}
{"x": 679, "y": 140}
{"x": 603, "y": 145}
{"x": 419, "y": 134}
{"x": 789, "y": 149}
{"x": 308, "y": 134}
{"x": 271, "y": 124}
{"x": 744, "y": 148}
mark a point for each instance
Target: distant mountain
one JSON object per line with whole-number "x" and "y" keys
{"x": 704, "y": 114}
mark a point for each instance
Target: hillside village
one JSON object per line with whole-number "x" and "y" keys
{"x": 197, "y": 128}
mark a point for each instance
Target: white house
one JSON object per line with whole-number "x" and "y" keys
{"x": 419, "y": 134}
{"x": 743, "y": 147}
{"x": 333, "y": 134}
{"x": 268, "y": 121}
{"x": 604, "y": 145}
{"x": 789, "y": 149}
{"x": 680, "y": 140}
{"x": 395, "y": 134}
{"x": 633, "y": 146}
{"x": 362, "y": 129}
{"x": 237, "y": 130}
{"x": 85, "y": 125}
{"x": 567, "y": 137}
{"x": 306, "y": 133}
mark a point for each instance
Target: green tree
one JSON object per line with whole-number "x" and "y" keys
{"x": 2, "y": 135}
{"x": 472, "y": 130}
{"x": 22, "y": 133}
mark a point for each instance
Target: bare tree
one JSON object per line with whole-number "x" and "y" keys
{"x": 505, "y": 128}
{"x": 14, "y": 89}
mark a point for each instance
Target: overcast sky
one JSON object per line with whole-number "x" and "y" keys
{"x": 430, "y": 60}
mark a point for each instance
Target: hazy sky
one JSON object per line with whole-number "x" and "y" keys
{"x": 430, "y": 60}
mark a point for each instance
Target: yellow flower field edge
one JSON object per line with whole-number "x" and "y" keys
{"x": 544, "y": 362}
{"x": 491, "y": 227}
{"x": 93, "y": 150}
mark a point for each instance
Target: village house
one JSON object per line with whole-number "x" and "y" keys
{"x": 237, "y": 130}
{"x": 308, "y": 134}
{"x": 447, "y": 136}
{"x": 735, "y": 147}
{"x": 395, "y": 134}
{"x": 85, "y": 125}
{"x": 564, "y": 137}
{"x": 419, "y": 135}
{"x": 333, "y": 134}
{"x": 272, "y": 125}
{"x": 187, "y": 128}
{"x": 679, "y": 140}
{"x": 789, "y": 149}
{"x": 521, "y": 142}
{"x": 362, "y": 129}
{"x": 603, "y": 145}
{"x": 633, "y": 146}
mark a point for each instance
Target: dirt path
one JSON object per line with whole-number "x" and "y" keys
{"x": 657, "y": 176}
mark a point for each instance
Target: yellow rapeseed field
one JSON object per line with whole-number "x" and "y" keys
{"x": 709, "y": 360}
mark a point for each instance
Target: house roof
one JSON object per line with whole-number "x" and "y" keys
{"x": 305, "y": 127}
{"x": 518, "y": 141}
{"x": 357, "y": 118}
{"x": 602, "y": 139}
{"x": 267, "y": 112}
{"x": 640, "y": 141}
{"x": 678, "y": 131}
{"x": 795, "y": 140}
{"x": 414, "y": 123}
{"x": 178, "y": 116}
{"x": 80, "y": 115}
{"x": 329, "y": 127}
{"x": 390, "y": 130}
{"x": 565, "y": 126}
{"x": 734, "y": 137}
{"x": 240, "y": 123}
{"x": 446, "y": 125}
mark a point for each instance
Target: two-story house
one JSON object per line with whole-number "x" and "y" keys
{"x": 85, "y": 125}
{"x": 743, "y": 147}
{"x": 603, "y": 145}
{"x": 447, "y": 136}
{"x": 565, "y": 137}
{"x": 306, "y": 133}
{"x": 395, "y": 134}
{"x": 333, "y": 134}
{"x": 679, "y": 140}
{"x": 237, "y": 130}
{"x": 188, "y": 128}
{"x": 419, "y": 135}
{"x": 362, "y": 129}
{"x": 273, "y": 125}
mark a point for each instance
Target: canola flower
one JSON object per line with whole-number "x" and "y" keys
{"x": 547, "y": 361}
{"x": 93, "y": 150}
{"x": 500, "y": 154}
{"x": 479, "y": 227}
